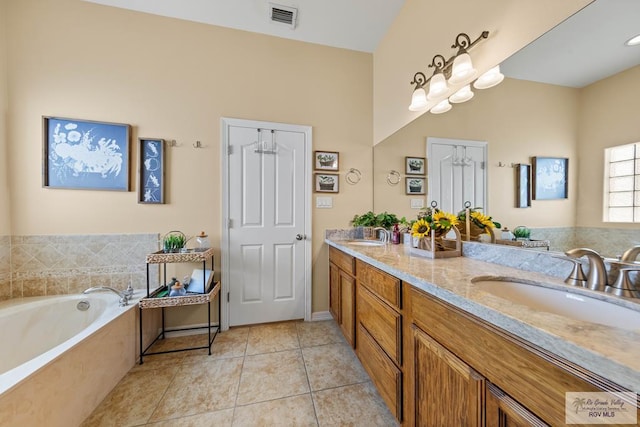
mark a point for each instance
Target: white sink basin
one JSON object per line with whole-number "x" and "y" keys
{"x": 365, "y": 242}
{"x": 558, "y": 301}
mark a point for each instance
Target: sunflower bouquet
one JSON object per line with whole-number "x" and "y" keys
{"x": 479, "y": 223}
{"x": 432, "y": 220}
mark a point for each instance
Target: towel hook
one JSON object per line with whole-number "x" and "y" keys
{"x": 198, "y": 144}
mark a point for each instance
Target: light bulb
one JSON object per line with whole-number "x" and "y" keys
{"x": 437, "y": 86}
{"x": 418, "y": 100}
{"x": 462, "y": 95}
{"x": 462, "y": 69}
{"x": 489, "y": 79}
{"x": 441, "y": 107}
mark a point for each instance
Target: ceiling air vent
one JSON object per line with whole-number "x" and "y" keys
{"x": 283, "y": 14}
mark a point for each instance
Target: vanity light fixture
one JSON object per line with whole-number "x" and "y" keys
{"x": 454, "y": 71}
{"x": 633, "y": 41}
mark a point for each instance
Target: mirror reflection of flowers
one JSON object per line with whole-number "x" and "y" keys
{"x": 480, "y": 223}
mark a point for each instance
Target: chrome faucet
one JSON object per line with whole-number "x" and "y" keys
{"x": 385, "y": 237}
{"x": 597, "y": 277}
{"x": 124, "y": 297}
{"x": 631, "y": 254}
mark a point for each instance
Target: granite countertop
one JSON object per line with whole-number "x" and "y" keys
{"x": 610, "y": 352}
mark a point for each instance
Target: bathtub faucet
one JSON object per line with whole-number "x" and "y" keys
{"x": 124, "y": 298}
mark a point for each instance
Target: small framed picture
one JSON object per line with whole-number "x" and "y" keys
{"x": 326, "y": 160}
{"x": 415, "y": 165}
{"x": 151, "y": 170}
{"x": 523, "y": 185}
{"x": 550, "y": 178}
{"x": 326, "y": 183}
{"x": 415, "y": 185}
{"x": 85, "y": 154}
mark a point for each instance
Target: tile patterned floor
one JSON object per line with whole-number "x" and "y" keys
{"x": 283, "y": 374}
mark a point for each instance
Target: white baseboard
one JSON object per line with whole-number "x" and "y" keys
{"x": 321, "y": 315}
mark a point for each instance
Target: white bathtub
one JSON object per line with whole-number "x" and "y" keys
{"x": 56, "y": 362}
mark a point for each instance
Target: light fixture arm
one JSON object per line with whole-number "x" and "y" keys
{"x": 464, "y": 43}
{"x": 419, "y": 79}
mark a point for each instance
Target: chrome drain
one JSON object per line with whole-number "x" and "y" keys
{"x": 83, "y": 305}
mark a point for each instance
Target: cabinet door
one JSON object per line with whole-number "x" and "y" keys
{"x": 448, "y": 392}
{"x": 334, "y": 292}
{"x": 347, "y": 306}
{"x": 503, "y": 411}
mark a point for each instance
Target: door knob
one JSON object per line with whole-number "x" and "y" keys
{"x": 300, "y": 236}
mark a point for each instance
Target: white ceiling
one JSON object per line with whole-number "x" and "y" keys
{"x": 350, "y": 24}
{"x": 585, "y": 48}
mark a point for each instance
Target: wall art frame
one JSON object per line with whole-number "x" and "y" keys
{"x": 550, "y": 178}
{"x": 326, "y": 160}
{"x": 326, "y": 183}
{"x": 151, "y": 176}
{"x": 85, "y": 154}
{"x": 415, "y": 185}
{"x": 415, "y": 165}
{"x": 523, "y": 185}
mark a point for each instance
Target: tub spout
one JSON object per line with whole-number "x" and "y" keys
{"x": 124, "y": 298}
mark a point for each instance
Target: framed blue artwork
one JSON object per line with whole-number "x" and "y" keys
{"x": 550, "y": 178}
{"x": 83, "y": 154}
{"x": 151, "y": 178}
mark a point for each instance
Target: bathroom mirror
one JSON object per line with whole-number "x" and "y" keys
{"x": 557, "y": 116}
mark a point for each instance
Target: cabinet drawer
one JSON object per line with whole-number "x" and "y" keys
{"x": 384, "y": 374}
{"x": 382, "y": 322}
{"x": 343, "y": 261}
{"x": 383, "y": 285}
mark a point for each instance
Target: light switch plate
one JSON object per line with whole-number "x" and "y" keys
{"x": 417, "y": 203}
{"x": 324, "y": 202}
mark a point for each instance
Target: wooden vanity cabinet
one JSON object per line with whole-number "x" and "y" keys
{"x": 487, "y": 375}
{"x": 342, "y": 288}
{"x": 379, "y": 332}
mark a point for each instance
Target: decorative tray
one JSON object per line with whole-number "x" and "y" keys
{"x": 193, "y": 255}
{"x": 153, "y": 301}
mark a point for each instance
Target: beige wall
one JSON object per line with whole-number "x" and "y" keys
{"x": 5, "y": 223}
{"x": 173, "y": 79}
{"x": 426, "y": 28}
{"x": 518, "y": 119}
{"x": 608, "y": 117}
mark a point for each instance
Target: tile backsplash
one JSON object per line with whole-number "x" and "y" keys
{"x": 63, "y": 264}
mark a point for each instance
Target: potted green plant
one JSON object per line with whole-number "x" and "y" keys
{"x": 174, "y": 241}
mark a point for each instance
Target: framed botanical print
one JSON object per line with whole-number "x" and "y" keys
{"x": 326, "y": 160}
{"x": 151, "y": 170}
{"x": 85, "y": 154}
{"x": 326, "y": 183}
{"x": 415, "y": 185}
{"x": 550, "y": 178}
{"x": 415, "y": 165}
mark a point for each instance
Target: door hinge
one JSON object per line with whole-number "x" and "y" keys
{"x": 229, "y": 150}
{"x": 482, "y": 165}
{"x": 227, "y": 296}
{"x": 229, "y": 223}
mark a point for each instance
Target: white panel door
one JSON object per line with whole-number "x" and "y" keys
{"x": 267, "y": 225}
{"x": 457, "y": 173}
